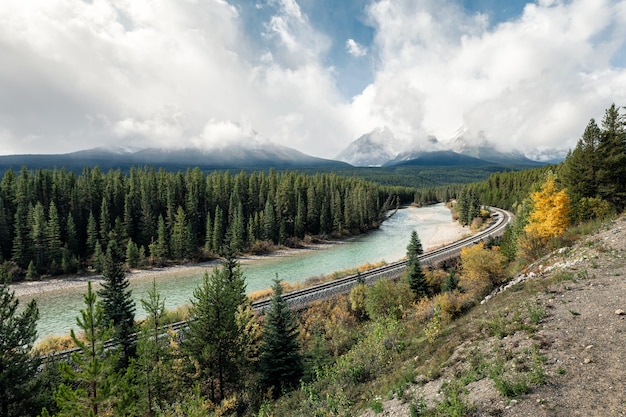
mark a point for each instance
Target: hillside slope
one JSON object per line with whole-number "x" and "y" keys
{"x": 554, "y": 342}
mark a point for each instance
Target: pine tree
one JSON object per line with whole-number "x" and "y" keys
{"x": 280, "y": 359}
{"x": 160, "y": 250}
{"x": 18, "y": 366}
{"x": 581, "y": 167}
{"x": 218, "y": 230}
{"x": 92, "y": 233}
{"x": 22, "y": 244}
{"x": 71, "y": 236}
{"x": 415, "y": 274}
{"x": 212, "y": 339}
{"x": 53, "y": 234}
{"x": 88, "y": 387}
{"x": 98, "y": 258}
{"x": 269, "y": 225}
{"x": 414, "y": 248}
{"x": 151, "y": 352}
{"x": 612, "y": 153}
{"x": 132, "y": 254}
{"x": 208, "y": 233}
{"x": 105, "y": 222}
{"x": 180, "y": 244}
{"x": 39, "y": 238}
{"x": 117, "y": 303}
{"x": 5, "y": 231}
{"x": 299, "y": 227}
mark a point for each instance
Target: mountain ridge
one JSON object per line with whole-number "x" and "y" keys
{"x": 257, "y": 156}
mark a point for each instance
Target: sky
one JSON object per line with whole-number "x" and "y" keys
{"x": 313, "y": 75}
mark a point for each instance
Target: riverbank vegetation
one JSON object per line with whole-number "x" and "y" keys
{"x": 56, "y": 222}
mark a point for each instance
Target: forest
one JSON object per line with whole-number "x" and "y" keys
{"x": 332, "y": 359}
{"x": 56, "y": 222}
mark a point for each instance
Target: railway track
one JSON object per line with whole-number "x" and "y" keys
{"x": 300, "y": 298}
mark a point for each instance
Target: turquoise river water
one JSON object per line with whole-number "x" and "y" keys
{"x": 59, "y": 308}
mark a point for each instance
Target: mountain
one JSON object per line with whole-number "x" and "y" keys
{"x": 372, "y": 149}
{"x": 436, "y": 158}
{"x": 255, "y": 156}
{"x": 487, "y": 152}
{"x": 380, "y": 148}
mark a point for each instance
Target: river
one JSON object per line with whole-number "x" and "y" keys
{"x": 59, "y": 308}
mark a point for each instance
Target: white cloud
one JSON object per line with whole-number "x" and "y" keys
{"x": 220, "y": 133}
{"x": 355, "y": 49}
{"x": 137, "y": 73}
{"x": 157, "y": 72}
{"x": 531, "y": 82}
{"x": 297, "y": 42}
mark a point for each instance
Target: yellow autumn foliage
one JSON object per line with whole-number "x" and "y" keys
{"x": 551, "y": 209}
{"x": 481, "y": 269}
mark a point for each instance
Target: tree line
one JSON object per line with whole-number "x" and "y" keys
{"x": 54, "y": 221}
{"x": 589, "y": 184}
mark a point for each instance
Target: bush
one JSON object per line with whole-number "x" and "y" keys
{"x": 482, "y": 269}
{"x": 53, "y": 344}
{"x": 388, "y": 298}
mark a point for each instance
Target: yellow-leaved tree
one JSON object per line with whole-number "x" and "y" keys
{"x": 550, "y": 214}
{"x": 481, "y": 269}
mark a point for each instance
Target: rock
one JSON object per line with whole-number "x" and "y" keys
{"x": 619, "y": 312}
{"x": 586, "y": 361}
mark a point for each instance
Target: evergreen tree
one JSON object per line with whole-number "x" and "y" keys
{"x": 5, "y": 232}
{"x": 612, "y": 153}
{"x": 151, "y": 352}
{"x": 451, "y": 283}
{"x": 463, "y": 206}
{"x": 180, "y": 244}
{"x": 269, "y": 225}
{"x": 415, "y": 274}
{"x": 299, "y": 227}
{"x": 208, "y": 233}
{"x": 92, "y": 233}
{"x": 88, "y": 387}
{"x": 18, "y": 366}
{"x": 22, "y": 244}
{"x": 53, "y": 234}
{"x": 414, "y": 248}
{"x": 71, "y": 236}
{"x": 237, "y": 230}
{"x": 581, "y": 167}
{"x": 160, "y": 250}
{"x": 132, "y": 254}
{"x": 105, "y": 222}
{"x": 212, "y": 338}
{"x": 218, "y": 230}
{"x": 280, "y": 359}
{"x": 38, "y": 237}
{"x": 118, "y": 306}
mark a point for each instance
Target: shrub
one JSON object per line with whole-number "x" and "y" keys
{"x": 388, "y": 299}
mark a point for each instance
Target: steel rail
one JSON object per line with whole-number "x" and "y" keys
{"x": 300, "y": 298}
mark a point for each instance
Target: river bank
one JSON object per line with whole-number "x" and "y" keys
{"x": 438, "y": 236}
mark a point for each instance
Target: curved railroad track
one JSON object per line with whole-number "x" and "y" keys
{"x": 300, "y": 298}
